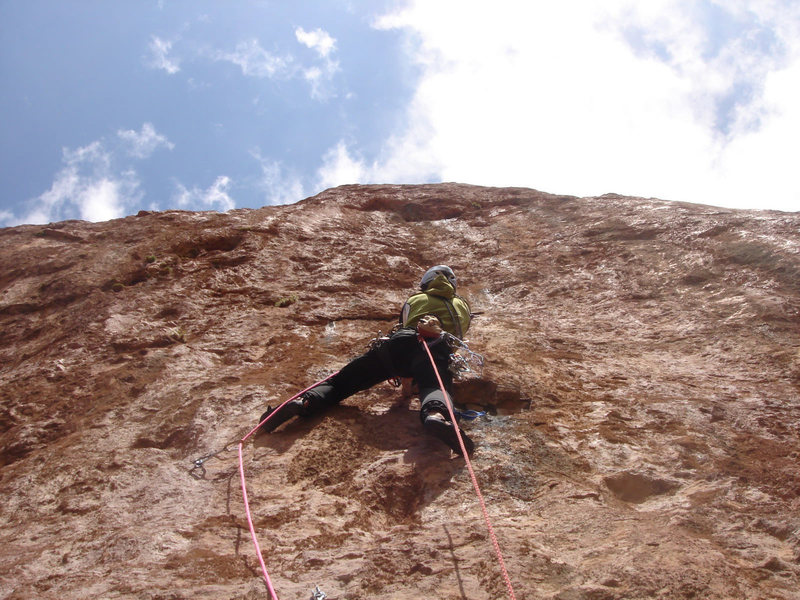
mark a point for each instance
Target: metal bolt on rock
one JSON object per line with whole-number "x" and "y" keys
{"x": 318, "y": 594}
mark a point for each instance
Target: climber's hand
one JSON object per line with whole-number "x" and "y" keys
{"x": 429, "y": 327}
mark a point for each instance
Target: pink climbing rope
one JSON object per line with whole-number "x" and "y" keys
{"x": 252, "y": 528}
{"x": 253, "y": 535}
{"x": 492, "y": 535}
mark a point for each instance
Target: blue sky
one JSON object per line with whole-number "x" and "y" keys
{"x": 114, "y": 107}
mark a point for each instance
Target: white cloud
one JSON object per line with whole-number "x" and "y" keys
{"x": 102, "y": 200}
{"x": 319, "y": 76}
{"x": 159, "y": 55}
{"x": 340, "y": 168}
{"x": 405, "y": 160}
{"x": 215, "y": 197}
{"x": 85, "y": 188}
{"x": 278, "y": 186}
{"x": 143, "y": 143}
{"x": 255, "y": 61}
{"x": 318, "y": 80}
{"x": 94, "y": 183}
{"x": 757, "y": 168}
{"x": 318, "y": 40}
{"x": 723, "y": 52}
{"x": 579, "y": 97}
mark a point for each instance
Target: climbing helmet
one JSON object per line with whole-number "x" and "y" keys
{"x": 431, "y": 274}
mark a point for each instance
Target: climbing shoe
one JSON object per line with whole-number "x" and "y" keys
{"x": 286, "y": 412}
{"x": 436, "y": 425}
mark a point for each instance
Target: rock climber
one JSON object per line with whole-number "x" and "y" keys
{"x": 426, "y": 314}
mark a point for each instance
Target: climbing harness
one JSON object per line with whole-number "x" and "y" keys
{"x": 374, "y": 346}
{"x": 464, "y": 364}
{"x": 464, "y": 453}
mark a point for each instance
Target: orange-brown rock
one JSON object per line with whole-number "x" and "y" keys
{"x": 642, "y": 379}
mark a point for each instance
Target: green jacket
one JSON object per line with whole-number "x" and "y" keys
{"x": 438, "y": 299}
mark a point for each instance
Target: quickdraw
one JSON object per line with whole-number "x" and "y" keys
{"x": 377, "y": 341}
{"x": 318, "y": 594}
{"x": 465, "y": 363}
{"x": 198, "y": 471}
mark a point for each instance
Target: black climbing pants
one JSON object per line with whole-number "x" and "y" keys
{"x": 402, "y": 355}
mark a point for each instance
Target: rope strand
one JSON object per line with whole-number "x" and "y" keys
{"x": 252, "y": 528}
{"x": 253, "y": 535}
{"x": 474, "y": 479}
{"x": 492, "y": 535}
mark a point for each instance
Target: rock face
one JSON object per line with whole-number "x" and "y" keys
{"x": 642, "y": 380}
